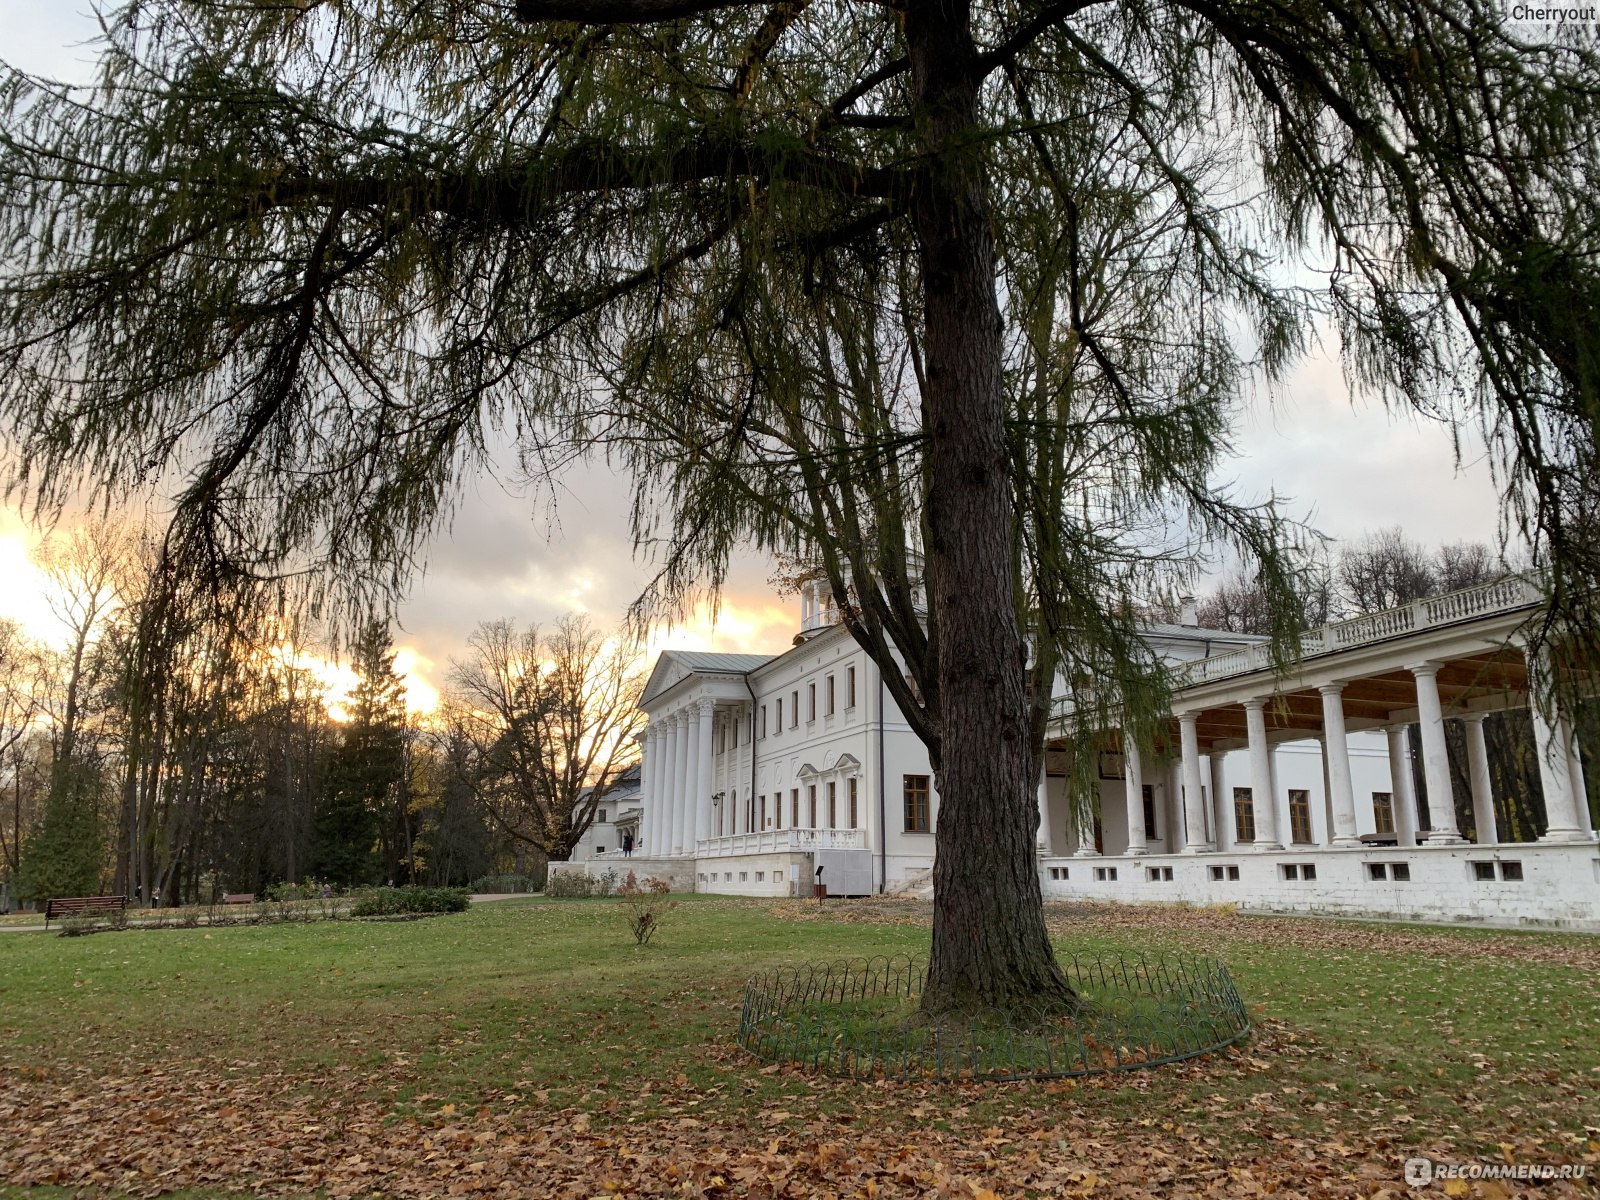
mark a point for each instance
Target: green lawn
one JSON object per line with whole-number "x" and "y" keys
{"x": 528, "y": 1047}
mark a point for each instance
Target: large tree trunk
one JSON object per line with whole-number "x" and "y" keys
{"x": 990, "y": 947}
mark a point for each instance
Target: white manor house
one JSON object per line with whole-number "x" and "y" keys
{"x": 1289, "y": 793}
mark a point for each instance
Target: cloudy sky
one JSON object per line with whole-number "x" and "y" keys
{"x": 1351, "y": 468}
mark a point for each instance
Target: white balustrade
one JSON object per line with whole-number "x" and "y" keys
{"x": 780, "y": 841}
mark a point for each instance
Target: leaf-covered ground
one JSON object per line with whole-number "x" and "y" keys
{"x": 526, "y": 1049}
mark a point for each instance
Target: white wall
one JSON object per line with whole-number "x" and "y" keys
{"x": 1559, "y": 888}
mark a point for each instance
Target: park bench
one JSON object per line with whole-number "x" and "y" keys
{"x": 73, "y": 906}
{"x": 239, "y": 898}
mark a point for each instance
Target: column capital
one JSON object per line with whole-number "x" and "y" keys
{"x": 703, "y": 705}
{"x": 1473, "y": 718}
{"x": 1331, "y": 689}
{"x": 1424, "y": 668}
{"x": 1256, "y": 703}
{"x": 1187, "y": 716}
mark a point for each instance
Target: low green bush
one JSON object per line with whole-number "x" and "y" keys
{"x": 403, "y": 901}
{"x": 569, "y": 885}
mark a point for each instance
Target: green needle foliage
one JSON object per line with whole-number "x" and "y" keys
{"x": 951, "y": 301}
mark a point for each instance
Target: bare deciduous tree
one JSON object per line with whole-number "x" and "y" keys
{"x": 550, "y": 718}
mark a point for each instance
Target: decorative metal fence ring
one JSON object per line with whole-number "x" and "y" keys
{"x": 859, "y": 1018}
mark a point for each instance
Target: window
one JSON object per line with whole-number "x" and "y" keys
{"x": 744, "y": 876}
{"x": 760, "y": 876}
{"x": 1400, "y": 872}
{"x": 1106, "y": 874}
{"x": 1300, "y": 816}
{"x": 600, "y": 817}
{"x": 1383, "y": 812}
{"x": 763, "y": 720}
{"x": 827, "y": 696}
{"x": 763, "y": 812}
{"x": 1483, "y": 871}
{"x": 794, "y": 710}
{"x": 722, "y": 738}
{"x": 1511, "y": 872}
{"x": 855, "y": 813}
{"x": 1308, "y": 871}
{"x": 1244, "y": 816}
{"x": 811, "y": 702}
{"x": 1233, "y": 873}
{"x": 811, "y": 796}
{"x": 1150, "y": 811}
{"x": 1160, "y": 874}
{"x": 1291, "y": 871}
{"x": 1058, "y": 872}
{"x": 777, "y": 810}
{"x": 916, "y": 800}
{"x": 794, "y": 808}
{"x": 850, "y": 688}
{"x": 833, "y": 805}
{"x": 778, "y": 724}
{"x": 1377, "y": 871}
{"x": 599, "y": 849}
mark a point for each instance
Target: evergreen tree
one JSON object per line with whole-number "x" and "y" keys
{"x": 366, "y": 773}
{"x": 66, "y": 855}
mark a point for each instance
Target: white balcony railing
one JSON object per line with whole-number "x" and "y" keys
{"x": 780, "y": 841}
{"x": 1505, "y": 595}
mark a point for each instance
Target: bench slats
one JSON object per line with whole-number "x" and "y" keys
{"x": 58, "y": 906}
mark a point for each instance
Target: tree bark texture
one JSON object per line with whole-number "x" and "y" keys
{"x": 990, "y": 947}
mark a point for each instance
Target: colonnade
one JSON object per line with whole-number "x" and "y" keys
{"x": 1560, "y": 770}
{"x": 676, "y": 778}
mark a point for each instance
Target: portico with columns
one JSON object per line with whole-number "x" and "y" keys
{"x": 1317, "y": 790}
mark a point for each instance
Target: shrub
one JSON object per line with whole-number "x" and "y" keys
{"x": 568, "y": 885}
{"x": 405, "y": 901}
{"x": 645, "y": 904}
{"x": 607, "y": 882}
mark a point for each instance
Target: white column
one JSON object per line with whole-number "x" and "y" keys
{"x": 1085, "y": 822}
{"x": 1402, "y": 796}
{"x": 1261, "y": 799}
{"x": 1336, "y": 750}
{"x": 1580, "y": 791}
{"x": 1042, "y": 839}
{"x": 681, "y": 784}
{"x": 1478, "y": 772}
{"x": 1222, "y": 818}
{"x": 667, "y": 789}
{"x": 648, "y": 766}
{"x": 1194, "y": 800}
{"x": 1555, "y": 779}
{"x": 1435, "y": 758}
{"x": 1133, "y": 781}
{"x": 700, "y": 821}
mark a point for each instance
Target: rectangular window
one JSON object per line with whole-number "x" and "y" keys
{"x": 763, "y": 824}
{"x": 777, "y": 726}
{"x": 833, "y": 805}
{"x": 794, "y": 710}
{"x": 811, "y": 796}
{"x": 827, "y": 696}
{"x": 811, "y": 702}
{"x": 1149, "y": 791}
{"x": 1400, "y": 872}
{"x": 763, "y": 720}
{"x": 1511, "y": 872}
{"x": 760, "y": 876}
{"x": 1377, "y": 871}
{"x": 777, "y": 810}
{"x": 1291, "y": 870}
{"x": 1483, "y": 871}
{"x": 1216, "y": 874}
{"x": 850, "y": 688}
{"x": 916, "y": 804}
{"x": 1233, "y": 873}
{"x": 855, "y": 812}
{"x": 794, "y": 808}
{"x": 1308, "y": 871}
{"x": 1244, "y": 815}
{"x": 1383, "y": 812}
{"x": 1300, "y": 816}
{"x": 600, "y": 816}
